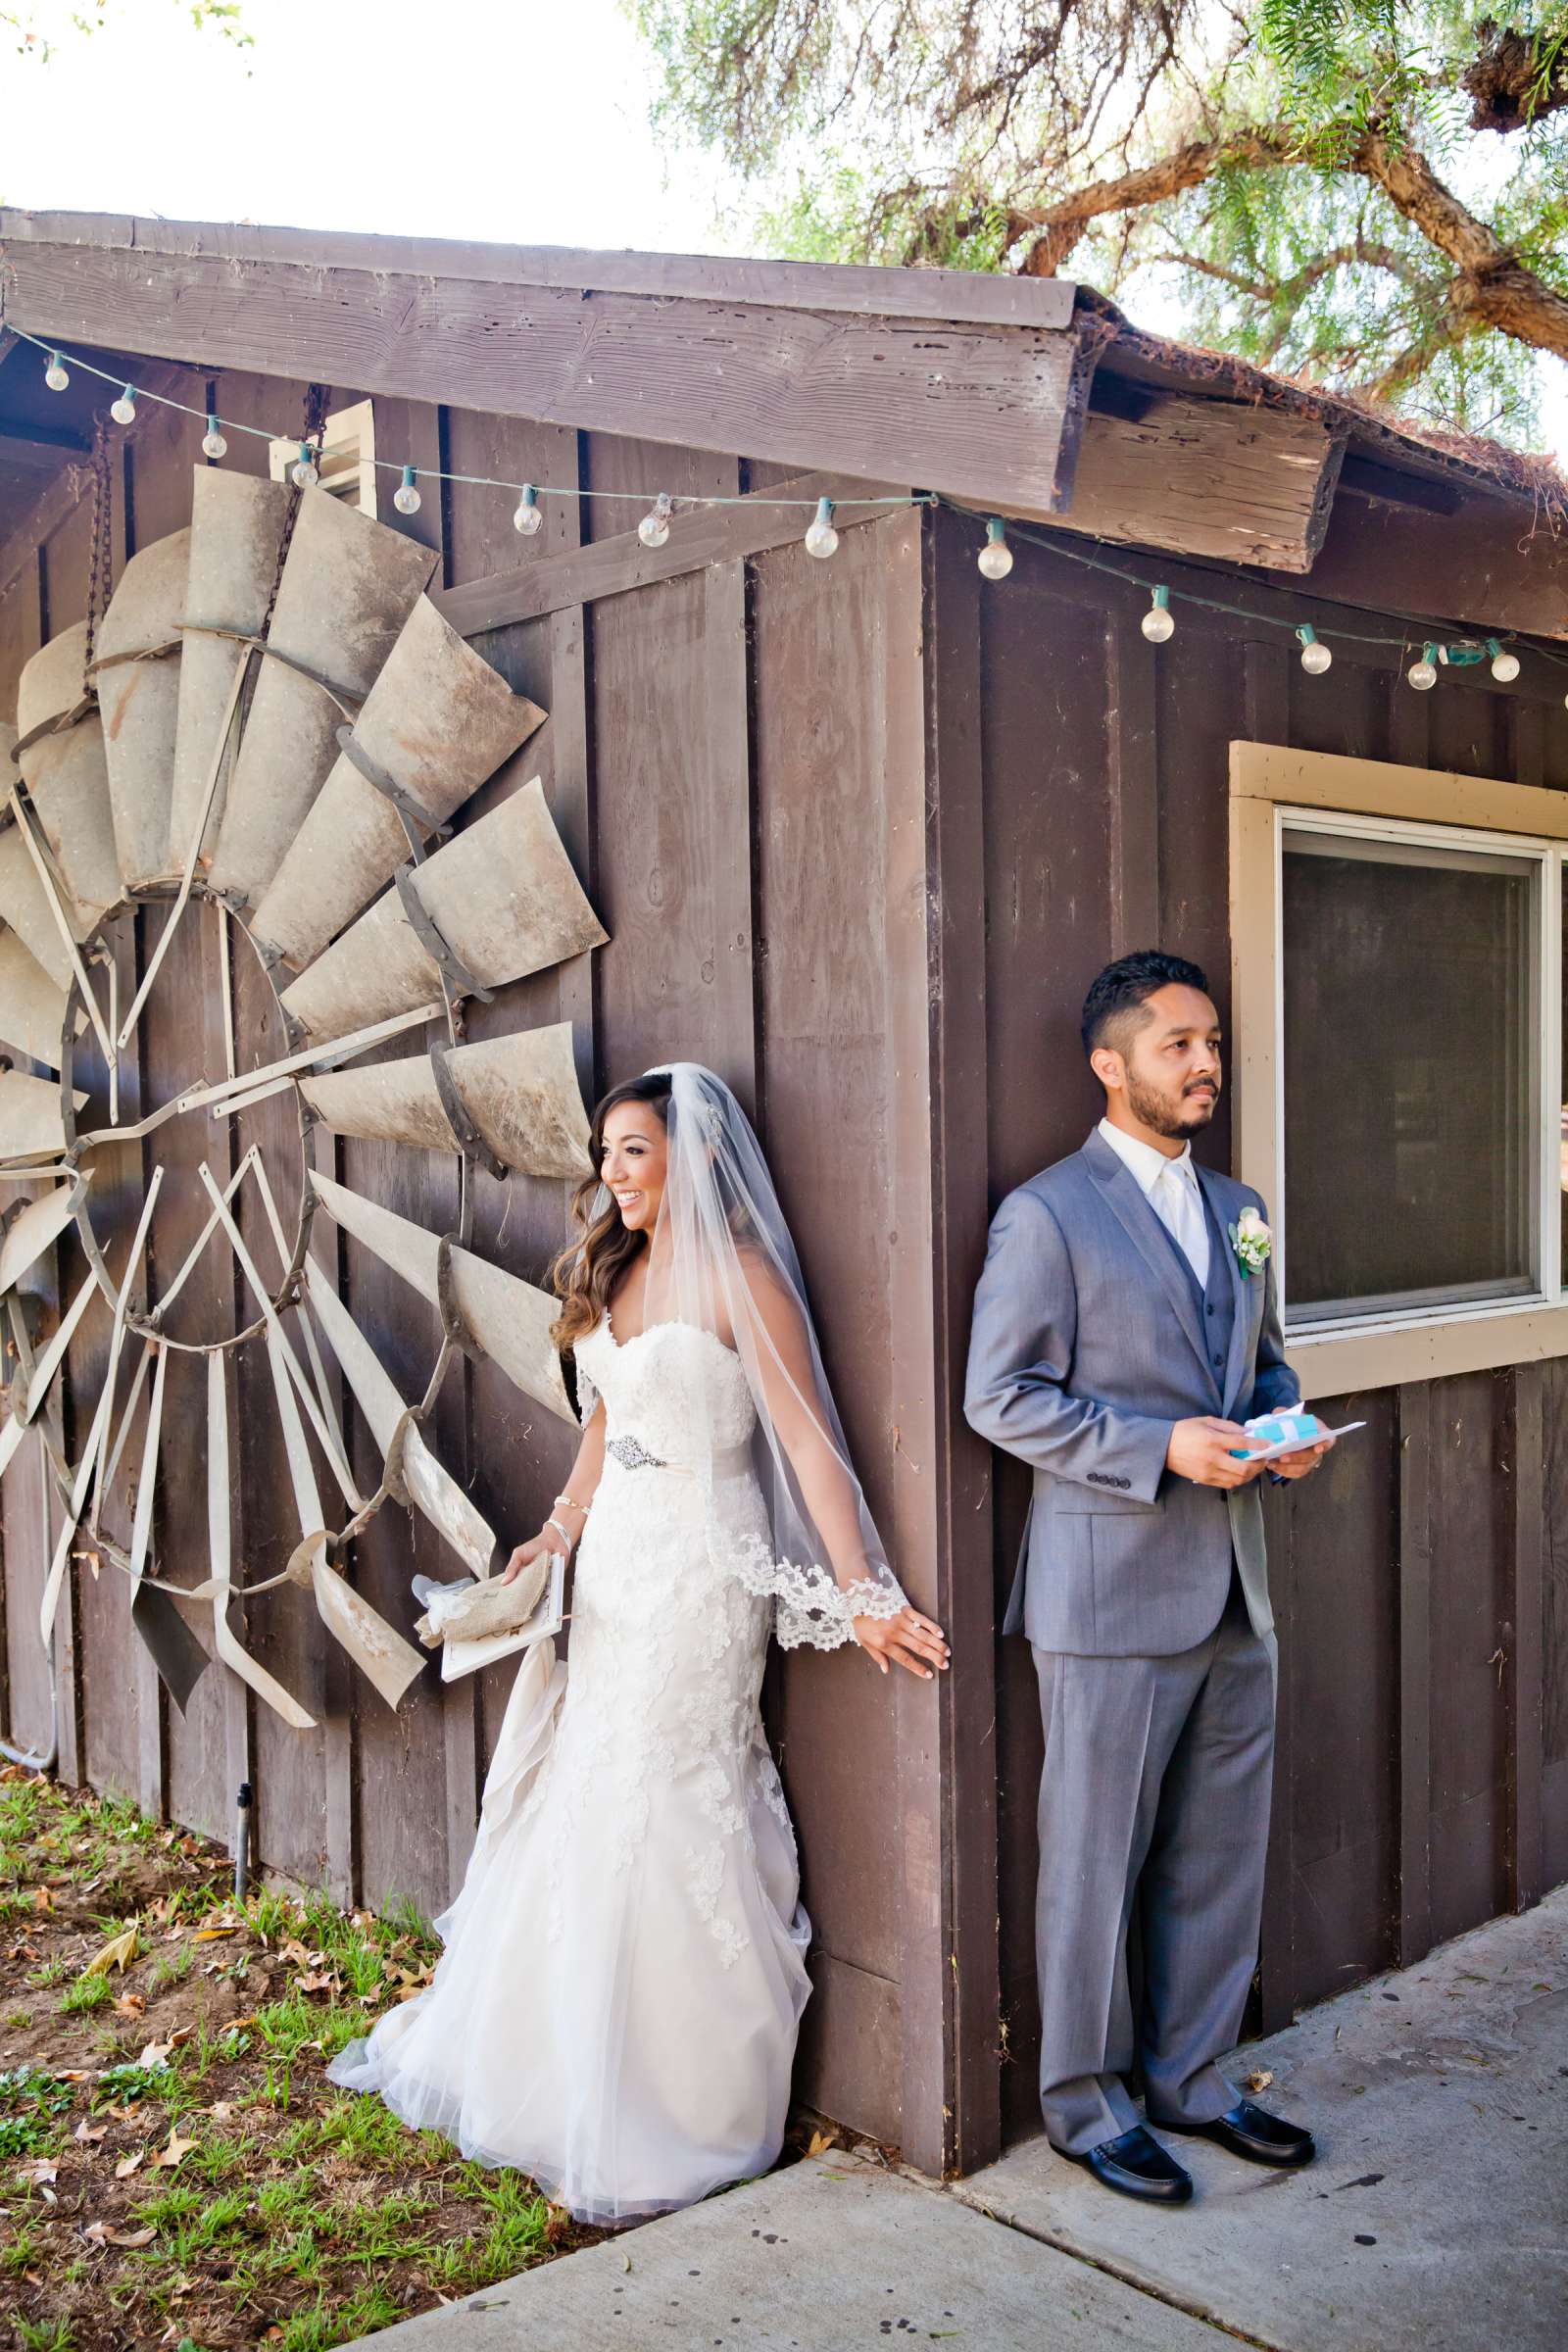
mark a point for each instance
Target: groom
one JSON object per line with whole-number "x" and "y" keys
{"x": 1120, "y": 1338}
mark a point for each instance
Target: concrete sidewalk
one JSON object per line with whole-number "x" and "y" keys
{"x": 1435, "y": 2216}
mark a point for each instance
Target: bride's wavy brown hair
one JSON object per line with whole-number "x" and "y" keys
{"x": 586, "y": 1273}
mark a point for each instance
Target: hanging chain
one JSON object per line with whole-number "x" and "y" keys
{"x": 100, "y": 559}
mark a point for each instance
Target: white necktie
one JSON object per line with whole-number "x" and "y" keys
{"x": 1175, "y": 1201}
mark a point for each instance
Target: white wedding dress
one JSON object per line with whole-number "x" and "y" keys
{"x": 615, "y": 2008}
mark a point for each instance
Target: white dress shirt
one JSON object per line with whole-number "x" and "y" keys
{"x": 1170, "y": 1187}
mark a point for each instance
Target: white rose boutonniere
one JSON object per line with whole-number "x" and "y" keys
{"x": 1251, "y": 1240}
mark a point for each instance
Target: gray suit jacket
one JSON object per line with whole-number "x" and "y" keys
{"x": 1087, "y": 1346}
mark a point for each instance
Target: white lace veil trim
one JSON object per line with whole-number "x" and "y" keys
{"x": 722, "y": 1260}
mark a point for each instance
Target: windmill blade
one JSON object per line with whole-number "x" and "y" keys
{"x": 433, "y": 1489}
{"x": 437, "y": 722}
{"x": 67, "y": 776}
{"x": 521, "y": 1093}
{"x": 503, "y": 896}
{"x": 33, "y": 1003}
{"x": 236, "y": 528}
{"x": 229, "y": 1647}
{"x": 138, "y": 700}
{"x": 45, "y": 1365}
{"x": 30, "y": 1124}
{"x": 141, "y": 1529}
{"x": 382, "y": 1656}
{"x": 41, "y": 1222}
{"x": 25, "y": 906}
{"x": 348, "y": 586}
{"x": 508, "y": 1317}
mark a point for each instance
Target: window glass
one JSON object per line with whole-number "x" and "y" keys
{"x": 1409, "y": 1075}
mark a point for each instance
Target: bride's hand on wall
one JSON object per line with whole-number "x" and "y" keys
{"x": 910, "y": 1639}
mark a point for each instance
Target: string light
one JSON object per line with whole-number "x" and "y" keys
{"x": 996, "y": 557}
{"x": 654, "y": 528}
{"x": 1158, "y": 623}
{"x": 821, "y": 539}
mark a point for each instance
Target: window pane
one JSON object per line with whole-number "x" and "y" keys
{"x": 1408, "y": 1087}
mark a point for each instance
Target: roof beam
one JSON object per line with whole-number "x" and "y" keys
{"x": 978, "y": 410}
{"x": 1206, "y": 477}
{"x": 975, "y": 296}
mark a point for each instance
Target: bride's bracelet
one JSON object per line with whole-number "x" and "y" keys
{"x": 572, "y": 1504}
{"x": 568, "y": 1541}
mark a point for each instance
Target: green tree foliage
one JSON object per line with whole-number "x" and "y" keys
{"x": 1371, "y": 195}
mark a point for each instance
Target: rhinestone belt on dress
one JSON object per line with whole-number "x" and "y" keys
{"x": 632, "y": 1455}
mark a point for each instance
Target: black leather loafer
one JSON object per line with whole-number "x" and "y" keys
{"x": 1252, "y": 2132}
{"x": 1136, "y": 2166}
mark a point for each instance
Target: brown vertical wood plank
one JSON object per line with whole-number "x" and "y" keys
{"x": 1133, "y": 782}
{"x": 1529, "y": 729}
{"x": 962, "y": 1473}
{"x": 1415, "y": 1673}
{"x": 729, "y": 755}
{"x": 1526, "y": 1639}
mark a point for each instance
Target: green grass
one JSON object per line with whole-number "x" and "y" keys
{"x": 47, "y": 2335}
{"x": 87, "y": 1992}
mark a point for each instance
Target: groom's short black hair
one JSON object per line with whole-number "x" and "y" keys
{"x": 1128, "y": 983}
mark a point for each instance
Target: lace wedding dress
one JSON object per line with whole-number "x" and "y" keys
{"x": 615, "y": 2009}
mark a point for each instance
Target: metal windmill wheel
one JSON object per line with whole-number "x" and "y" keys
{"x": 271, "y": 732}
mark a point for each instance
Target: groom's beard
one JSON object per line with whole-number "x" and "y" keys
{"x": 1182, "y": 1116}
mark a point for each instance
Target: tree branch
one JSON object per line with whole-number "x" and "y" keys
{"x": 1063, "y": 223}
{"x": 1516, "y": 78}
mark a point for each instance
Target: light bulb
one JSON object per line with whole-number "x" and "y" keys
{"x": 528, "y": 517}
{"x": 821, "y": 539}
{"x": 406, "y": 497}
{"x": 1316, "y": 658}
{"x": 654, "y": 528}
{"x": 302, "y": 473}
{"x": 1423, "y": 674}
{"x": 56, "y": 375}
{"x": 212, "y": 443}
{"x": 1157, "y": 624}
{"x": 996, "y": 557}
{"x": 1504, "y": 666}
{"x": 123, "y": 410}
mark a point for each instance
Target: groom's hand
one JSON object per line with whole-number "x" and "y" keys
{"x": 1201, "y": 1449}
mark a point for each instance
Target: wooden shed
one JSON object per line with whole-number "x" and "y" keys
{"x": 860, "y": 832}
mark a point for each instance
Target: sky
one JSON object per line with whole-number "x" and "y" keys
{"x": 531, "y": 128}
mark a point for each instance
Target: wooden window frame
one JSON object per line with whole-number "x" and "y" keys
{"x": 1272, "y": 786}
{"x": 347, "y": 457}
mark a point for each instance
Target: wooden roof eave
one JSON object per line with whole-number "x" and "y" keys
{"x": 781, "y": 360}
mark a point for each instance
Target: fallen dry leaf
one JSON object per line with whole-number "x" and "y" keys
{"x": 173, "y": 2151}
{"x": 41, "y": 2171}
{"x": 104, "y": 2233}
{"x": 130, "y": 2004}
{"x": 128, "y": 2165}
{"x": 42, "y": 1900}
{"x": 90, "y": 2133}
{"x": 1260, "y": 2077}
{"x": 315, "y": 1980}
{"x": 73, "y": 2074}
{"x": 126, "y": 2115}
{"x": 821, "y": 2142}
{"x": 118, "y": 1952}
{"x": 223, "y": 2111}
{"x": 210, "y": 1935}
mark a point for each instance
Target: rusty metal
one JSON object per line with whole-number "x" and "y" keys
{"x": 436, "y": 723}
{"x": 348, "y": 586}
{"x": 518, "y": 1095}
{"x": 503, "y": 893}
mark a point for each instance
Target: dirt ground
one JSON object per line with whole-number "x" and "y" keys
{"x": 175, "y": 2170}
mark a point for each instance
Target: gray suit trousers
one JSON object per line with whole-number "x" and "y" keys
{"x": 1155, "y": 1794}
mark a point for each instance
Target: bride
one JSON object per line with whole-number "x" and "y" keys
{"x": 615, "y": 2009}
